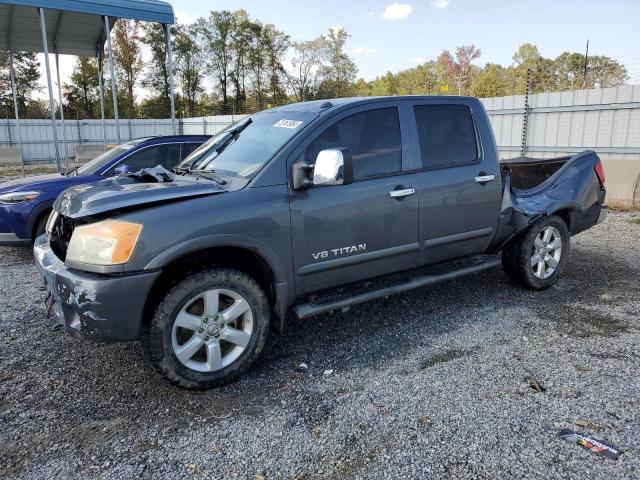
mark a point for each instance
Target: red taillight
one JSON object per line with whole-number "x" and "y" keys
{"x": 599, "y": 172}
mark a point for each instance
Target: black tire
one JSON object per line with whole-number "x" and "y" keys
{"x": 517, "y": 255}
{"x": 41, "y": 225}
{"x": 157, "y": 337}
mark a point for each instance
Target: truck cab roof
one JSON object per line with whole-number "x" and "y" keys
{"x": 334, "y": 104}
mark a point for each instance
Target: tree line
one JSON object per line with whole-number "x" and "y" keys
{"x": 230, "y": 63}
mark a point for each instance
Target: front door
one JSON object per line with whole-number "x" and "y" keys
{"x": 345, "y": 233}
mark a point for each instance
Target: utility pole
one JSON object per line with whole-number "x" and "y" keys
{"x": 586, "y": 62}
{"x": 460, "y": 78}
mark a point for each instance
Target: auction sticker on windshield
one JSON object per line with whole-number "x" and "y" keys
{"x": 287, "y": 123}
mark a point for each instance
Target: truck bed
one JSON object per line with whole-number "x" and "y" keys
{"x": 535, "y": 187}
{"x": 529, "y": 172}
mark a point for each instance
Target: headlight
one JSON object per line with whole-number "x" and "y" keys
{"x": 110, "y": 242}
{"x": 18, "y": 197}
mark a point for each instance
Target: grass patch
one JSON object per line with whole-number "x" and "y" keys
{"x": 623, "y": 206}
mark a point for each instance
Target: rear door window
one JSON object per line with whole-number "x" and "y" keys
{"x": 372, "y": 137}
{"x": 447, "y": 135}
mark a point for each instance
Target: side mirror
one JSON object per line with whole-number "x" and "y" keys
{"x": 123, "y": 169}
{"x": 332, "y": 167}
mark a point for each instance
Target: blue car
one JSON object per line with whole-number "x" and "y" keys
{"x": 25, "y": 203}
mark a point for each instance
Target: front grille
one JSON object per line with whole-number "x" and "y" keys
{"x": 61, "y": 232}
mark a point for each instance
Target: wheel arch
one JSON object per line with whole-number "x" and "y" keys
{"x": 225, "y": 251}
{"x": 37, "y": 213}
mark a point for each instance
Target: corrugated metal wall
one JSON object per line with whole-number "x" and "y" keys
{"x": 606, "y": 120}
{"x": 37, "y": 135}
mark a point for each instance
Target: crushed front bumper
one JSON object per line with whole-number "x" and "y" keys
{"x": 104, "y": 307}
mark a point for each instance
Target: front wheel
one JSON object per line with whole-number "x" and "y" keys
{"x": 208, "y": 329}
{"x": 535, "y": 259}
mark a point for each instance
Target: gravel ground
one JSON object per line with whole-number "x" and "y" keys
{"x": 430, "y": 383}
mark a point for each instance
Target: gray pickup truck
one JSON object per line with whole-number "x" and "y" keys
{"x": 305, "y": 208}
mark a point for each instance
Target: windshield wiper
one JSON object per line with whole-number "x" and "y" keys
{"x": 181, "y": 170}
{"x": 209, "y": 175}
{"x": 232, "y": 135}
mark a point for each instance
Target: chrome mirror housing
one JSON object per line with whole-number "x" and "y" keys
{"x": 329, "y": 168}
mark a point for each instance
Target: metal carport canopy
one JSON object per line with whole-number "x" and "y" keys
{"x": 74, "y": 27}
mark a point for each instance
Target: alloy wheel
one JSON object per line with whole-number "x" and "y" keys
{"x": 212, "y": 330}
{"x": 547, "y": 250}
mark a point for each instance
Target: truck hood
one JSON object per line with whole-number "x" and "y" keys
{"x": 125, "y": 192}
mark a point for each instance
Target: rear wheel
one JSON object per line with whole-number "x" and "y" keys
{"x": 209, "y": 329}
{"x": 535, "y": 260}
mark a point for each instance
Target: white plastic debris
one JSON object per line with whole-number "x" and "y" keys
{"x": 327, "y": 372}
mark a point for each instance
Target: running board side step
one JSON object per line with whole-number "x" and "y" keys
{"x": 305, "y": 310}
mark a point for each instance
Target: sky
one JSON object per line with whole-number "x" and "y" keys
{"x": 392, "y": 36}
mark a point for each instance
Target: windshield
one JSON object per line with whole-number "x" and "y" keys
{"x": 244, "y": 148}
{"x": 95, "y": 165}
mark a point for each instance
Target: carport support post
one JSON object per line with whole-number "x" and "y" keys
{"x": 45, "y": 48}
{"x": 64, "y": 131}
{"x": 15, "y": 108}
{"x": 167, "y": 39}
{"x": 101, "y": 88}
{"x": 114, "y": 88}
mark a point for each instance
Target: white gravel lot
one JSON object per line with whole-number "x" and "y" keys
{"x": 429, "y": 384}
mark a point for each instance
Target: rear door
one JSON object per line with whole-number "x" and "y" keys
{"x": 458, "y": 183}
{"x": 345, "y": 233}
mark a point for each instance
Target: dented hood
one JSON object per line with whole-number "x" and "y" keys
{"x": 125, "y": 192}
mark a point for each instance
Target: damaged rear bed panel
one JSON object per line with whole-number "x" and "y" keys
{"x": 533, "y": 188}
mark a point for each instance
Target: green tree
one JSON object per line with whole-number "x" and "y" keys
{"x": 27, "y": 78}
{"x": 276, "y": 45}
{"x": 339, "y": 71}
{"x": 542, "y": 71}
{"x": 156, "y": 78}
{"x": 190, "y": 63}
{"x": 81, "y": 93}
{"x": 492, "y": 81}
{"x": 242, "y": 34}
{"x": 127, "y": 55}
{"x": 603, "y": 72}
{"x": 216, "y": 34}
{"x": 306, "y": 62}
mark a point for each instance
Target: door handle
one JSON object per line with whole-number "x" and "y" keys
{"x": 485, "y": 178}
{"x": 402, "y": 193}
